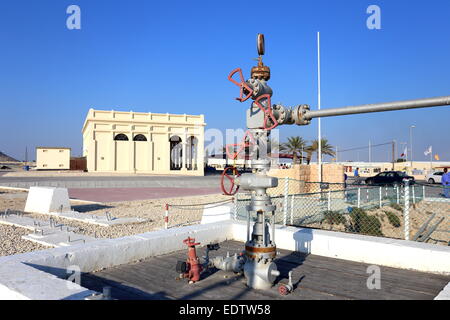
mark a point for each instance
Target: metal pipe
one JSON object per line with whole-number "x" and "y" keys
{"x": 378, "y": 107}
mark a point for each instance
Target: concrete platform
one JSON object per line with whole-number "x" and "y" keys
{"x": 315, "y": 277}
{"x": 45, "y": 233}
{"x": 95, "y": 219}
{"x": 59, "y": 238}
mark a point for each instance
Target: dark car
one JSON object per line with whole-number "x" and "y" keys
{"x": 389, "y": 178}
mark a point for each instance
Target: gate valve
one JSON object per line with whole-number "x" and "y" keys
{"x": 232, "y": 175}
{"x": 268, "y": 114}
{"x": 245, "y": 90}
{"x": 191, "y": 268}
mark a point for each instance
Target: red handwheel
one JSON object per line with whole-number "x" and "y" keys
{"x": 268, "y": 114}
{"x": 233, "y": 174}
{"x": 245, "y": 90}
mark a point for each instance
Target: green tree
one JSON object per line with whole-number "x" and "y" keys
{"x": 294, "y": 146}
{"x": 327, "y": 149}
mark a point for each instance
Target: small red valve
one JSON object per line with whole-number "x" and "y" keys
{"x": 268, "y": 114}
{"x": 245, "y": 91}
{"x": 233, "y": 174}
{"x": 191, "y": 268}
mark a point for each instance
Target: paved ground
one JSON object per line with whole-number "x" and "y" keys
{"x": 314, "y": 277}
{"x": 112, "y": 181}
{"x": 131, "y": 194}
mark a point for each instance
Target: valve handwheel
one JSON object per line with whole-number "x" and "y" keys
{"x": 283, "y": 290}
{"x": 229, "y": 173}
{"x": 268, "y": 114}
{"x": 245, "y": 88}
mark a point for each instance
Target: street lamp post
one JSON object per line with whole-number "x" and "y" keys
{"x": 411, "y": 145}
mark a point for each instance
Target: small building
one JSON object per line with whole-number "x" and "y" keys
{"x": 135, "y": 142}
{"x": 52, "y": 158}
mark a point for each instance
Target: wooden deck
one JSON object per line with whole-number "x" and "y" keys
{"x": 315, "y": 277}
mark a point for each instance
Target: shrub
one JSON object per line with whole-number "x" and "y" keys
{"x": 393, "y": 219}
{"x": 365, "y": 224}
{"x": 332, "y": 217}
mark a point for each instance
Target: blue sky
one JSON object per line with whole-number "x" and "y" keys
{"x": 174, "y": 56}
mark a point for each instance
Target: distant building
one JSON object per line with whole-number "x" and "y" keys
{"x": 52, "y": 158}
{"x": 133, "y": 142}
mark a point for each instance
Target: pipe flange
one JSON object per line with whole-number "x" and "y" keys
{"x": 299, "y": 115}
{"x": 260, "y": 164}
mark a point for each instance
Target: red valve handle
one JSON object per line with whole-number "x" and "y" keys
{"x": 283, "y": 290}
{"x": 242, "y": 85}
{"x": 267, "y": 112}
{"x": 191, "y": 242}
{"x": 242, "y": 145}
{"x": 236, "y": 174}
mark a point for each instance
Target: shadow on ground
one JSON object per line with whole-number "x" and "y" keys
{"x": 90, "y": 207}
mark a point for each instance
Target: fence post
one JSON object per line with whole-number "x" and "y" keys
{"x": 423, "y": 192}
{"x": 381, "y": 202}
{"x": 413, "y": 194}
{"x": 285, "y": 206}
{"x": 359, "y": 197}
{"x": 166, "y": 217}
{"x": 292, "y": 209}
{"x": 406, "y": 210}
{"x": 398, "y": 195}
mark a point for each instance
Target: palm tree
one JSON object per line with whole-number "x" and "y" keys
{"x": 294, "y": 146}
{"x": 326, "y": 148}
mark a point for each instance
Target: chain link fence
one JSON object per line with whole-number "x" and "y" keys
{"x": 418, "y": 212}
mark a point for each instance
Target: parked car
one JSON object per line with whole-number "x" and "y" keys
{"x": 435, "y": 177}
{"x": 389, "y": 178}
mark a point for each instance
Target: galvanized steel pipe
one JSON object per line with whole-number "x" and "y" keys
{"x": 379, "y": 107}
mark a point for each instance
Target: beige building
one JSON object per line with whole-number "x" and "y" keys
{"x": 133, "y": 142}
{"x": 52, "y": 158}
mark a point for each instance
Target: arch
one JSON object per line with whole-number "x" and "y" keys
{"x": 140, "y": 137}
{"x": 121, "y": 137}
{"x": 176, "y": 153}
{"x": 191, "y": 153}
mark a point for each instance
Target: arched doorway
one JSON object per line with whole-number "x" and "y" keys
{"x": 176, "y": 153}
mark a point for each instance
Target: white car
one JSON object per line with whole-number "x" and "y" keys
{"x": 435, "y": 177}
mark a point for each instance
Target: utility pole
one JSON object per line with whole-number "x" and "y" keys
{"x": 319, "y": 151}
{"x": 411, "y": 144}
{"x": 393, "y": 154}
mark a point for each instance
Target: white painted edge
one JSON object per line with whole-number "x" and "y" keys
{"x": 444, "y": 294}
